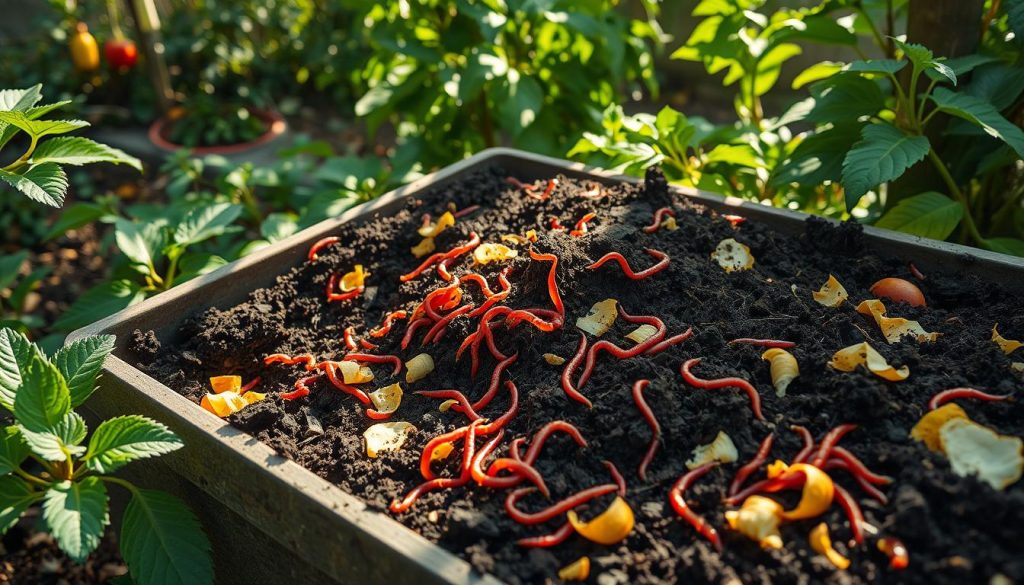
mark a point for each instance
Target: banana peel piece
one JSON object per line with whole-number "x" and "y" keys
{"x": 893, "y": 328}
{"x": 862, "y": 354}
{"x": 784, "y": 369}
{"x": 1007, "y": 345}
{"x": 831, "y": 294}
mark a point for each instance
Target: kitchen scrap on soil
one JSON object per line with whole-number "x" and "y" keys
{"x": 770, "y": 436}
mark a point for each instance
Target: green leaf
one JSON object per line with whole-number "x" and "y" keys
{"x": 40, "y": 128}
{"x": 76, "y": 514}
{"x": 206, "y": 222}
{"x": 819, "y": 157}
{"x": 769, "y": 66}
{"x": 55, "y": 445}
{"x": 74, "y": 217}
{"x": 880, "y": 66}
{"x": 163, "y": 543}
{"x": 736, "y": 154}
{"x": 522, "y": 105}
{"x": 1011, "y": 246}
{"x": 883, "y": 154}
{"x": 924, "y": 60}
{"x": 817, "y": 72}
{"x": 43, "y": 399}
{"x": 845, "y": 96}
{"x": 9, "y": 267}
{"x": 15, "y": 497}
{"x": 45, "y": 183}
{"x": 131, "y": 243}
{"x": 98, "y": 302}
{"x": 123, "y": 439}
{"x": 929, "y": 215}
{"x": 195, "y": 264}
{"x": 13, "y": 449}
{"x": 980, "y": 113}
{"x": 279, "y": 226}
{"x": 16, "y": 100}
{"x": 80, "y": 362}
{"x": 16, "y": 353}
{"x": 77, "y": 151}
{"x": 1015, "y": 18}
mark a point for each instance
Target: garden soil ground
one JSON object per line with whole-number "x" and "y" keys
{"x": 956, "y": 529}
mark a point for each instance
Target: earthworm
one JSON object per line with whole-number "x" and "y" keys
{"x": 459, "y": 397}
{"x": 678, "y": 501}
{"x": 378, "y": 415}
{"x": 771, "y": 484}
{"x": 481, "y": 281}
{"x": 581, "y": 225}
{"x": 530, "y": 316}
{"x": 255, "y": 382}
{"x": 430, "y": 261}
{"x": 897, "y": 553}
{"x": 389, "y": 320}
{"x": 614, "y": 472}
{"x": 917, "y": 273}
{"x": 863, "y": 483}
{"x": 829, "y": 441}
{"x": 350, "y": 338}
{"x": 617, "y": 351}
{"x": 556, "y": 297}
{"x": 689, "y": 378}
{"x": 735, "y": 220}
{"x": 808, "y": 439}
{"x": 513, "y": 409}
{"x": 332, "y": 375}
{"x": 955, "y": 393}
{"x": 376, "y": 359}
{"x": 853, "y": 513}
{"x": 367, "y": 345}
{"x": 514, "y": 446}
{"x": 661, "y": 257}
{"x": 648, "y": 414}
{"x": 492, "y": 390}
{"x": 301, "y": 388}
{"x": 669, "y": 342}
{"x": 411, "y": 330}
{"x": 533, "y": 452}
{"x": 557, "y": 509}
{"x": 280, "y": 358}
{"x": 545, "y": 195}
{"x": 320, "y": 245}
{"x": 440, "y": 326}
{"x": 548, "y": 540}
{"x": 442, "y": 269}
{"x": 521, "y": 470}
{"x": 570, "y": 369}
{"x": 555, "y": 223}
{"x": 763, "y": 342}
{"x": 428, "y": 451}
{"x": 759, "y": 457}
{"x": 658, "y": 217}
{"x": 332, "y": 283}
{"x": 474, "y": 241}
{"x": 516, "y": 183}
{"x": 465, "y": 211}
{"x": 858, "y": 467}
{"x": 398, "y": 507}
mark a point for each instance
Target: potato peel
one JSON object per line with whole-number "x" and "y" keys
{"x": 388, "y": 436}
{"x": 554, "y": 360}
{"x": 387, "y": 399}
{"x": 893, "y": 328}
{"x": 831, "y": 294}
{"x": 642, "y": 333}
{"x": 974, "y": 449}
{"x": 1007, "y": 345}
{"x": 418, "y": 367}
{"x": 733, "y": 256}
{"x": 784, "y": 369}
{"x": 600, "y": 318}
{"x": 862, "y": 354}
{"x": 758, "y": 519}
{"x": 611, "y": 526}
{"x": 722, "y": 450}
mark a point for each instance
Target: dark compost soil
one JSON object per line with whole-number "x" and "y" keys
{"x": 31, "y": 557}
{"x": 956, "y": 529}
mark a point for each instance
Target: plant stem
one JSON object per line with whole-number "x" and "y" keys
{"x": 120, "y": 482}
{"x": 23, "y": 158}
{"x": 31, "y": 478}
{"x": 972, "y": 229}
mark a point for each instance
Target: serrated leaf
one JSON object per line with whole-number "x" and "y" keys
{"x": 45, "y": 183}
{"x": 13, "y": 449}
{"x": 845, "y": 96}
{"x": 121, "y": 440}
{"x": 64, "y": 439}
{"x": 880, "y": 66}
{"x": 77, "y": 151}
{"x": 163, "y": 543}
{"x": 883, "y": 154}
{"x": 206, "y": 222}
{"x": 131, "y": 243}
{"x": 19, "y": 100}
{"x": 929, "y": 215}
{"x": 15, "y": 497}
{"x": 16, "y": 353}
{"x": 76, "y": 514}
{"x": 80, "y": 362}
{"x": 40, "y": 128}
{"x": 981, "y": 113}
{"x": 43, "y": 399}
{"x": 819, "y": 157}
{"x": 939, "y": 71}
{"x": 98, "y": 302}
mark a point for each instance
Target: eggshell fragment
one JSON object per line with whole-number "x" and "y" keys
{"x": 732, "y": 256}
{"x": 600, "y": 318}
{"x": 862, "y": 354}
{"x": 974, "y": 449}
{"x": 388, "y": 436}
{"x": 893, "y": 328}
{"x": 387, "y": 399}
{"x": 831, "y": 294}
{"x": 722, "y": 450}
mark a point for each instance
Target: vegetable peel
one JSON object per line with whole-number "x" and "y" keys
{"x": 418, "y": 367}
{"x": 354, "y": 279}
{"x": 758, "y": 519}
{"x": 1007, "y": 345}
{"x": 426, "y": 246}
{"x": 822, "y": 544}
{"x": 226, "y": 384}
{"x": 721, "y": 449}
{"x": 488, "y": 253}
{"x": 609, "y": 527}
{"x": 353, "y": 373}
{"x": 578, "y": 570}
{"x": 927, "y": 429}
{"x": 974, "y": 449}
{"x": 387, "y": 399}
{"x": 784, "y": 369}
{"x": 642, "y": 333}
{"x": 600, "y": 318}
{"x": 862, "y": 354}
{"x": 431, "y": 230}
{"x": 816, "y": 495}
{"x": 733, "y": 256}
{"x": 388, "y": 436}
{"x": 831, "y": 294}
{"x": 893, "y": 328}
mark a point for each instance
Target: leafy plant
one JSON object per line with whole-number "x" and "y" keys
{"x": 208, "y": 121}
{"x": 45, "y": 460}
{"x": 38, "y": 172}
{"x": 457, "y": 76}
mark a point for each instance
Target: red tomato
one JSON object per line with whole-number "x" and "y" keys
{"x": 120, "y": 53}
{"x": 899, "y": 290}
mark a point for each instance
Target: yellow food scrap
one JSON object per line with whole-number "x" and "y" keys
{"x": 353, "y": 373}
{"x": 226, "y": 384}
{"x": 784, "y": 369}
{"x": 600, "y": 318}
{"x": 927, "y": 429}
{"x": 670, "y": 224}
{"x": 355, "y": 279}
{"x": 642, "y": 333}
{"x": 862, "y": 354}
{"x": 442, "y": 451}
{"x": 426, "y": 246}
{"x": 1007, "y": 345}
{"x": 433, "y": 229}
{"x": 579, "y": 570}
{"x": 893, "y": 328}
{"x": 831, "y": 294}
{"x": 817, "y": 493}
{"x": 418, "y": 367}
{"x": 974, "y": 449}
{"x": 229, "y": 402}
{"x": 554, "y": 360}
{"x": 515, "y": 239}
{"x": 389, "y": 436}
{"x": 822, "y": 544}
{"x": 732, "y": 256}
{"x": 387, "y": 399}
{"x": 722, "y": 449}
{"x": 447, "y": 404}
{"x": 487, "y": 253}
{"x": 758, "y": 519}
{"x": 611, "y": 526}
